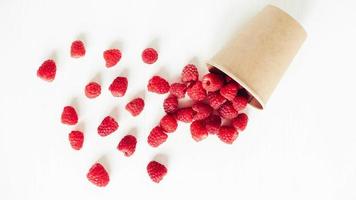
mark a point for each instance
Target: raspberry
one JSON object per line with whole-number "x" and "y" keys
{"x": 135, "y": 106}
{"x": 227, "y": 111}
{"x": 215, "y": 70}
{"x": 227, "y": 134}
{"x": 119, "y": 86}
{"x": 127, "y": 145}
{"x": 185, "y": 114}
{"x": 196, "y": 92}
{"x": 198, "y": 130}
{"x": 156, "y": 171}
{"x": 149, "y": 56}
{"x": 47, "y": 70}
{"x": 178, "y": 90}
{"x": 212, "y": 124}
{"x": 170, "y": 104}
{"x": 107, "y": 126}
{"x": 158, "y": 85}
{"x": 202, "y": 110}
{"x": 92, "y": 90}
{"x": 212, "y": 82}
{"x": 229, "y": 90}
{"x": 77, "y": 49}
{"x": 168, "y": 123}
{"x": 98, "y": 175}
{"x": 69, "y": 116}
{"x": 239, "y": 103}
{"x": 76, "y": 139}
{"x": 215, "y": 100}
{"x": 156, "y": 137}
{"x": 190, "y": 73}
{"x": 111, "y": 57}
{"x": 240, "y": 122}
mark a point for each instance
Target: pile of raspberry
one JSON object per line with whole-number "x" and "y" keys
{"x": 216, "y": 108}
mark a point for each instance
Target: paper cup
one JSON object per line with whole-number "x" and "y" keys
{"x": 260, "y": 53}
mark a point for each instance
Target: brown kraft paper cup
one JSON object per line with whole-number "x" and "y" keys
{"x": 260, "y": 53}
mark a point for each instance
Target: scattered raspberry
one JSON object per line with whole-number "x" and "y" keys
{"x": 168, "y": 123}
{"x": 202, "y": 110}
{"x": 227, "y": 111}
{"x": 212, "y": 82}
{"x": 240, "y": 122}
{"x": 243, "y": 93}
{"x": 196, "y": 92}
{"x": 69, "y": 116}
{"x": 119, "y": 86}
{"x": 156, "y": 171}
{"x": 135, "y": 106}
{"x": 215, "y": 100}
{"x": 239, "y": 103}
{"x": 107, "y": 126}
{"x": 213, "y": 123}
{"x": 149, "y": 56}
{"x": 92, "y": 90}
{"x": 111, "y": 57}
{"x": 227, "y": 134}
{"x": 185, "y": 114}
{"x": 127, "y": 145}
{"x": 47, "y": 71}
{"x": 178, "y": 90}
{"x": 158, "y": 85}
{"x": 190, "y": 73}
{"x": 77, "y": 49}
{"x": 198, "y": 130}
{"x": 170, "y": 104}
{"x": 229, "y": 90}
{"x": 98, "y": 175}
{"x": 76, "y": 139}
{"x": 156, "y": 137}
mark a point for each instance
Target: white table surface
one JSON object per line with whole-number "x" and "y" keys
{"x": 303, "y": 146}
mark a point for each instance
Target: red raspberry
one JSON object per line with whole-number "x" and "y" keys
{"x": 215, "y": 100}
{"x": 198, "y": 130}
{"x": 119, "y": 86}
{"x": 76, "y": 139}
{"x": 202, "y": 110}
{"x": 229, "y": 90}
{"x": 149, "y": 56}
{"x": 69, "y": 116}
{"x": 47, "y": 71}
{"x": 158, "y": 85}
{"x": 190, "y": 73}
{"x": 92, "y": 90}
{"x": 212, "y": 124}
{"x": 127, "y": 145}
{"x": 156, "y": 137}
{"x": 212, "y": 82}
{"x": 156, "y": 171}
{"x": 111, "y": 57}
{"x": 239, "y": 103}
{"x": 227, "y": 134}
{"x": 185, "y": 114}
{"x": 196, "y": 92}
{"x": 168, "y": 123}
{"x": 107, "y": 126}
{"x": 77, "y": 49}
{"x": 170, "y": 104}
{"x": 240, "y": 122}
{"x": 178, "y": 90}
{"x": 98, "y": 175}
{"x": 227, "y": 111}
{"x": 135, "y": 106}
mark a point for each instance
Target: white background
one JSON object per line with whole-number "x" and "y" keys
{"x": 302, "y": 146}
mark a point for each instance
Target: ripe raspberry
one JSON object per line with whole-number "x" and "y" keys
{"x": 178, "y": 90}
{"x": 198, "y": 130}
{"x": 135, "y": 106}
{"x": 202, "y": 110}
{"x": 156, "y": 171}
{"x": 240, "y": 122}
{"x": 227, "y": 111}
{"x": 107, "y": 126}
{"x": 215, "y": 100}
{"x": 196, "y": 92}
{"x": 149, "y": 56}
{"x": 227, "y": 134}
{"x": 77, "y": 49}
{"x": 92, "y": 90}
{"x": 69, "y": 116}
{"x": 185, "y": 114}
{"x": 229, "y": 90}
{"x": 111, "y": 57}
{"x": 168, "y": 123}
{"x": 127, "y": 145}
{"x": 76, "y": 139}
{"x": 156, "y": 137}
{"x": 119, "y": 86}
{"x": 170, "y": 104}
{"x": 212, "y": 124}
{"x": 212, "y": 82}
{"x": 47, "y": 70}
{"x": 98, "y": 175}
{"x": 158, "y": 85}
{"x": 190, "y": 73}
{"x": 239, "y": 103}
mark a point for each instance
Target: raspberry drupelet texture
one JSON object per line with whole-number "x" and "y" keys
{"x": 127, "y": 145}
{"x": 196, "y": 91}
{"x": 212, "y": 124}
{"x": 107, "y": 126}
{"x": 77, "y": 49}
{"x": 158, "y": 85}
{"x": 149, "y": 56}
{"x": 69, "y": 116}
{"x": 215, "y": 100}
{"x": 198, "y": 130}
{"x": 92, "y": 90}
{"x": 170, "y": 104}
{"x": 212, "y": 82}
{"x": 135, "y": 106}
{"x": 229, "y": 90}
{"x": 185, "y": 114}
{"x": 98, "y": 175}
{"x": 76, "y": 139}
{"x": 240, "y": 122}
{"x": 112, "y": 57}
{"x": 119, "y": 86}
{"x": 178, "y": 90}
{"x": 168, "y": 123}
{"x": 202, "y": 110}
{"x": 227, "y": 111}
{"x": 189, "y": 73}
{"x": 156, "y": 137}
{"x": 47, "y": 70}
{"x": 227, "y": 134}
{"x": 156, "y": 171}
